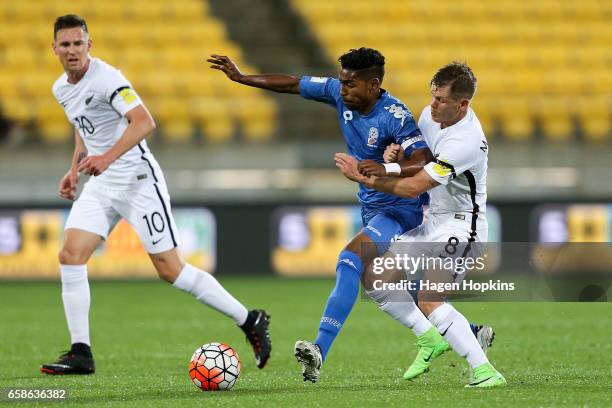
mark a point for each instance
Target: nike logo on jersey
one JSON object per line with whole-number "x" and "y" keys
{"x": 156, "y": 242}
{"x": 88, "y": 100}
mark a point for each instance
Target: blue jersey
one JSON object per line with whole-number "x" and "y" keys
{"x": 367, "y": 136}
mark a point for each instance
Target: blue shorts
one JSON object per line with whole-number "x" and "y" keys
{"x": 384, "y": 225}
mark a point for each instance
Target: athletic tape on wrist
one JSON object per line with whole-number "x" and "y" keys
{"x": 392, "y": 169}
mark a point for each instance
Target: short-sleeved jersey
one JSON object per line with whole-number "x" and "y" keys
{"x": 460, "y": 164}
{"x": 367, "y": 136}
{"x": 96, "y": 106}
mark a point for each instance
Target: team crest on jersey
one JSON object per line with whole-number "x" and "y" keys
{"x": 373, "y": 137}
{"x": 399, "y": 112}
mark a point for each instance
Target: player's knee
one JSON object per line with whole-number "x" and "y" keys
{"x": 363, "y": 246}
{"x": 427, "y": 306}
{"x": 167, "y": 273}
{"x": 166, "y": 269}
{"x": 369, "y": 278}
{"x": 70, "y": 256}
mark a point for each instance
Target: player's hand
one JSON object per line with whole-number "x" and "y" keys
{"x": 391, "y": 153}
{"x": 348, "y": 166}
{"x": 94, "y": 165}
{"x": 68, "y": 185}
{"x": 371, "y": 168}
{"x": 225, "y": 64}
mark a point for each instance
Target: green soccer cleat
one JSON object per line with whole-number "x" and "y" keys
{"x": 431, "y": 345}
{"x": 485, "y": 375}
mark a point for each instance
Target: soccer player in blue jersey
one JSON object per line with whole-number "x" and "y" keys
{"x": 370, "y": 119}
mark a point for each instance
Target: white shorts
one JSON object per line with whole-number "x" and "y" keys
{"x": 442, "y": 237}
{"x": 146, "y": 208}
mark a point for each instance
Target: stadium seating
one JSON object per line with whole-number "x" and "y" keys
{"x": 543, "y": 66}
{"x": 160, "y": 45}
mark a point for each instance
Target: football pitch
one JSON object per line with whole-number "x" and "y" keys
{"x": 144, "y": 333}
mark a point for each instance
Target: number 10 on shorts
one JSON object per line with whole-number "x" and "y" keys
{"x": 154, "y": 222}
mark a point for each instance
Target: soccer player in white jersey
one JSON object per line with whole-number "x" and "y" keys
{"x": 456, "y": 181}
{"x": 126, "y": 182}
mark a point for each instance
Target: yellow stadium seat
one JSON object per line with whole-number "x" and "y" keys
{"x": 178, "y": 130}
{"x": 214, "y": 118}
{"x": 554, "y": 115}
{"x": 138, "y": 60}
{"x": 35, "y": 86}
{"x": 557, "y": 128}
{"x": 9, "y": 87}
{"x": 145, "y": 11}
{"x": 564, "y": 82}
{"x": 528, "y": 82}
{"x": 56, "y": 131}
{"x": 177, "y": 58}
{"x": 106, "y": 54}
{"x": 19, "y": 57}
{"x": 257, "y": 119}
{"x": 185, "y": 10}
{"x": 51, "y": 120}
{"x": 594, "y": 115}
{"x": 173, "y": 117}
{"x": 516, "y": 121}
{"x": 108, "y": 11}
{"x": 159, "y": 84}
{"x": 131, "y": 36}
{"x": 596, "y": 128}
{"x": 485, "y": 115}
{"x": 17, "y": 109}
{"x": 198, "y": 84}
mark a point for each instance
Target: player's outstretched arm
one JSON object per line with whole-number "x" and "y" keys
{"x": 402, "y": 166}
{"x": 410, "y": 187}
{"x": 283, "y": 83}
{"x": 141, "y": 124}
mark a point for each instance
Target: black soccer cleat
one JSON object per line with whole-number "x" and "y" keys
{"x": 78, "y": 360}
{"x": 256, "y": 330}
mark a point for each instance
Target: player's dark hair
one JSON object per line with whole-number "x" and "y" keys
{"x": 460, "y": 77}
{"x": 364, "y": 59}
{"x": 69, "y": 21}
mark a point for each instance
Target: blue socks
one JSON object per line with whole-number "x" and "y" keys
{"x": 341, "y": 300}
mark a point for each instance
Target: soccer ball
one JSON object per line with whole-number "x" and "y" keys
{"x": 214, "y": 367}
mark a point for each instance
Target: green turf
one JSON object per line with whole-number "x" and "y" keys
{"x": 143, "y": 333}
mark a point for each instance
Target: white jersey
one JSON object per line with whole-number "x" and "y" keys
{"x": 460, "y": 166}
{"x": 96, "y": 106}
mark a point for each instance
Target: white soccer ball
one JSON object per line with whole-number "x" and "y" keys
{"x": 214, "y": 367}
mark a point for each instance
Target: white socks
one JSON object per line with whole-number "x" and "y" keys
{"x": 75, "y": 294}
{"x": 456, "y": 330}
{"x": 401, "y": 306}
{"x": 208, "y": 290}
